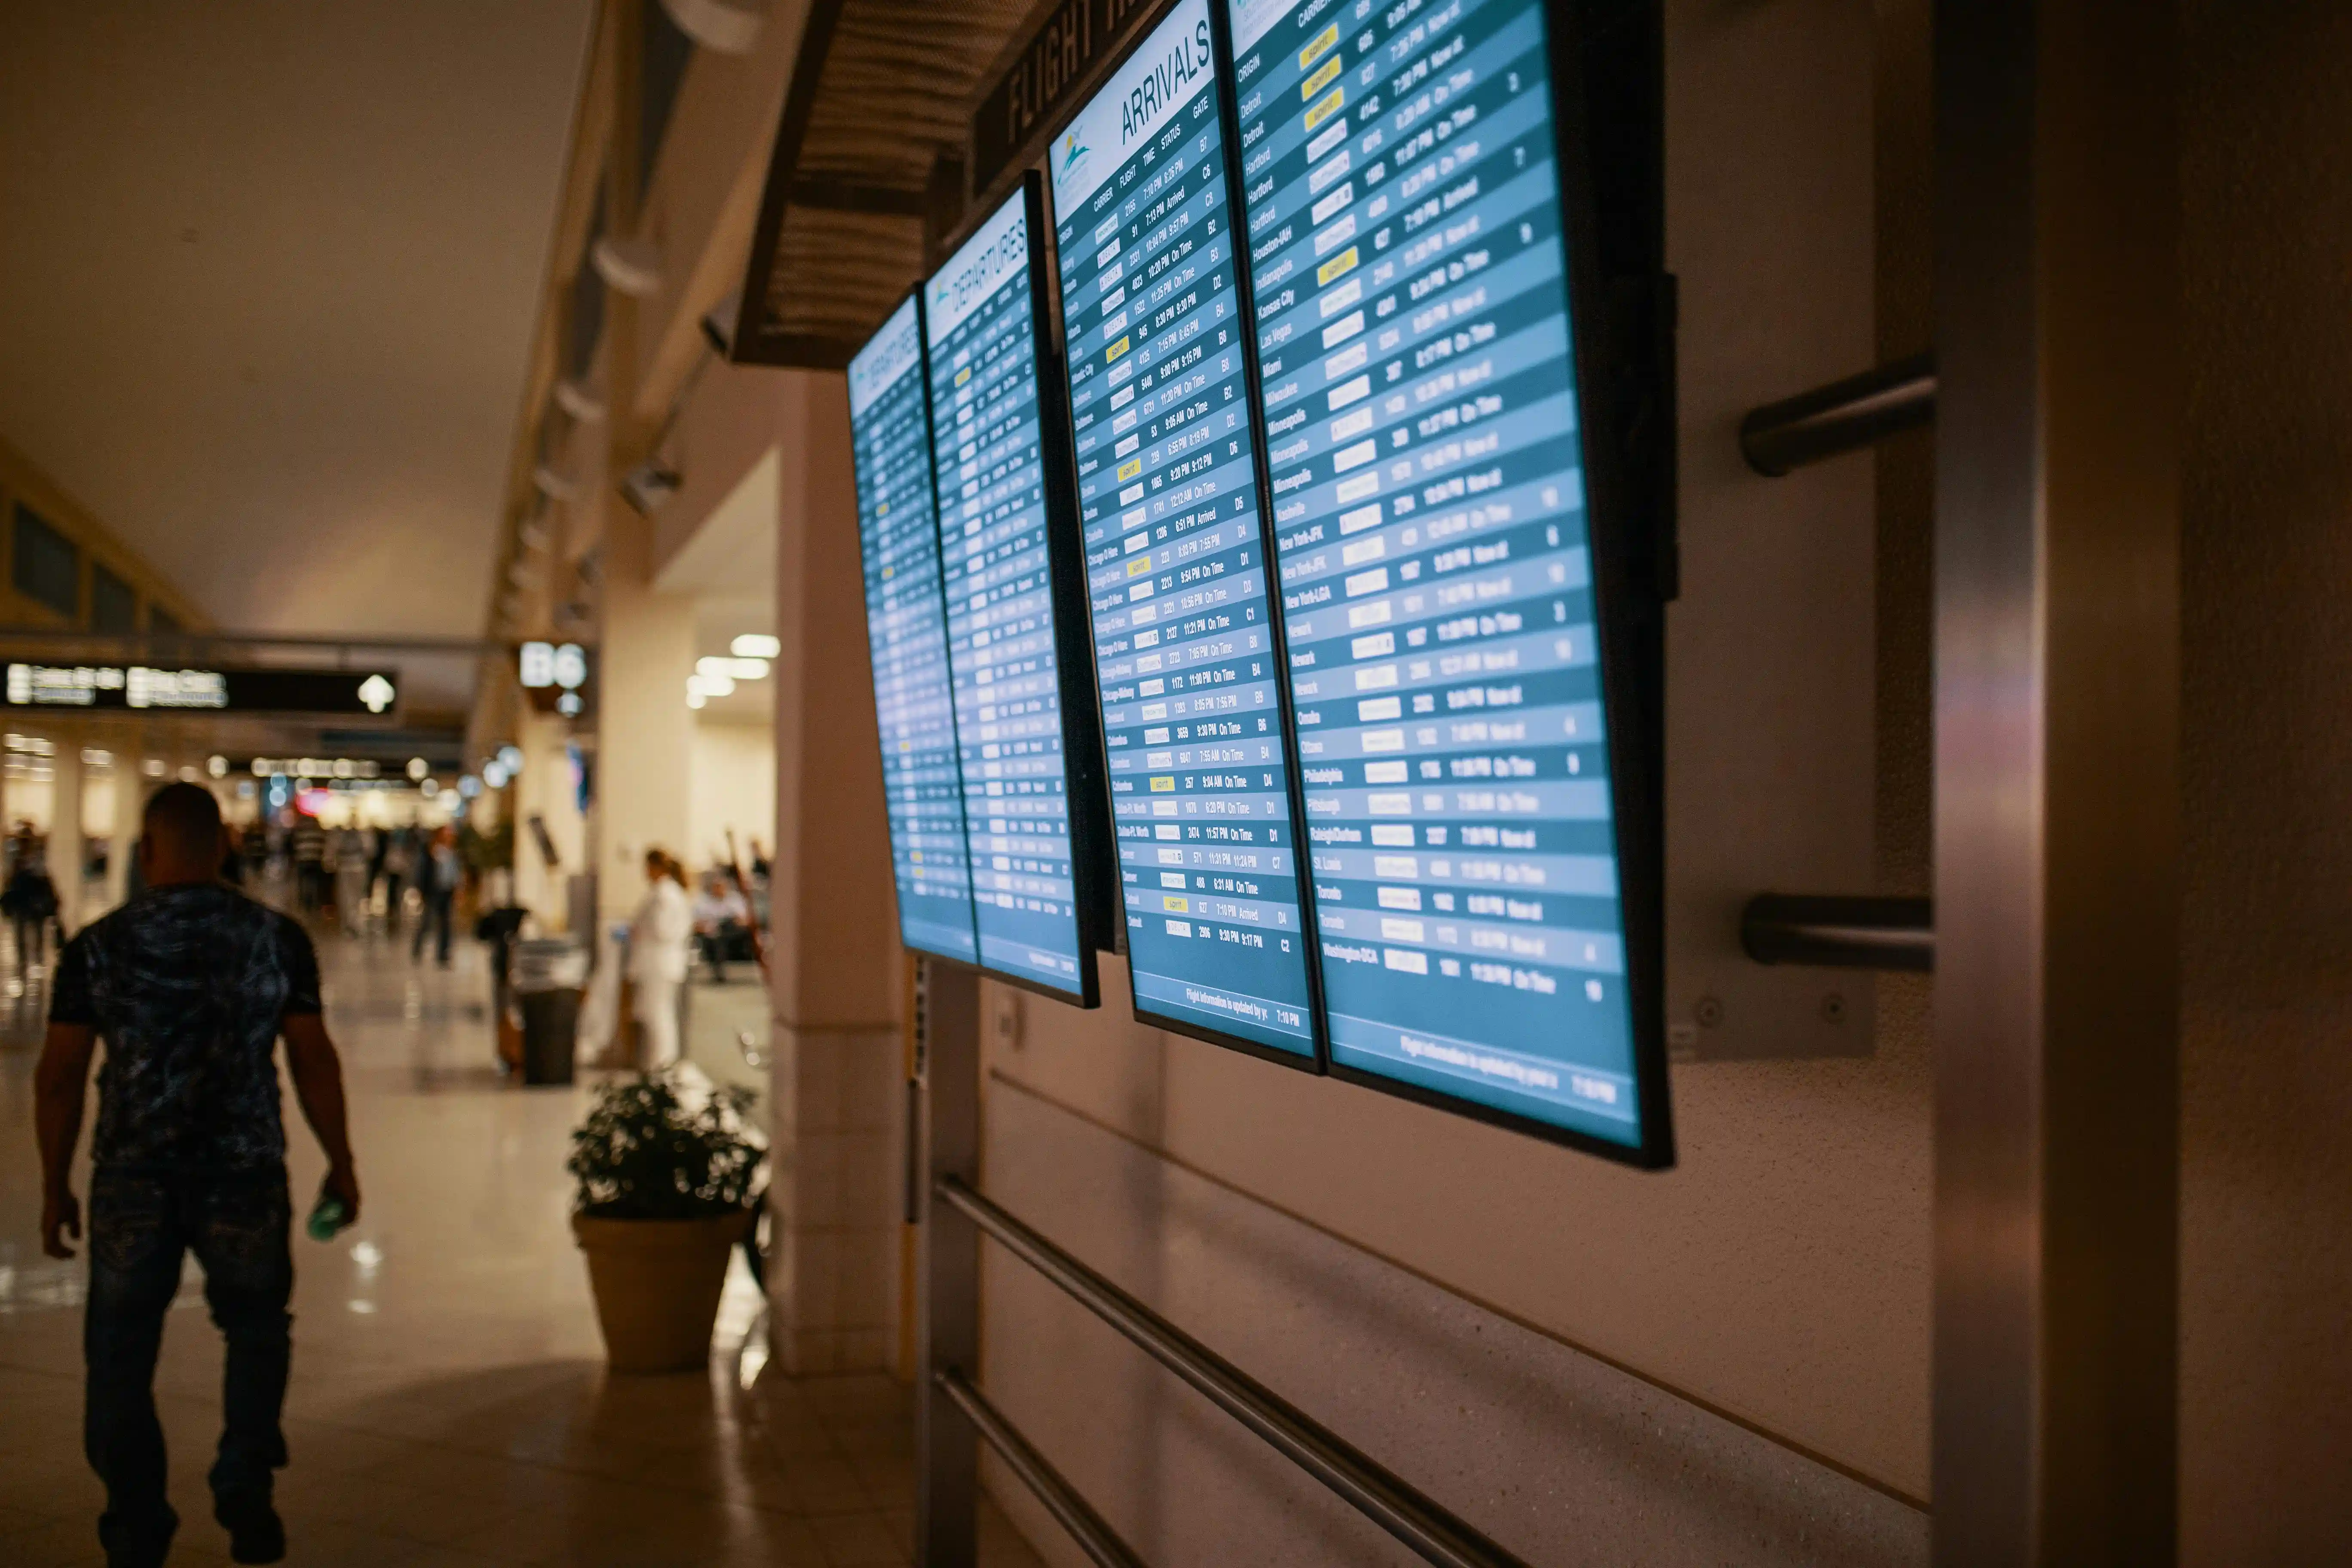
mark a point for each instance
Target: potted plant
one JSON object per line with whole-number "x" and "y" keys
{"x": 665, "y": 1192}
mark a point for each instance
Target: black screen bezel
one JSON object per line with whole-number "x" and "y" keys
{"x": 1619, "y": 388}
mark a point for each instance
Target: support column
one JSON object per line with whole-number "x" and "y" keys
{"x": 644, "y": 729}
{"x": 545, "y": 791}
{"x": 2057, "y": 882}
{"x": 65, "y": 848}
{"x": 834, "y": 962}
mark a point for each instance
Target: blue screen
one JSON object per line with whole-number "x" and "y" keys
{"x": 1176, "y": 569}
{"x": 988, "y": 458}
{"x": 906, "y": 632}
{"x": 1408, "y": 271}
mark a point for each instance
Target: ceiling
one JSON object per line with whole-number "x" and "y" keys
{"x": 880, "y": 92}
{"x": 268, "y": 273}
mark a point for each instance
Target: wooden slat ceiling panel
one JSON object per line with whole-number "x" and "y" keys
{"x": 839, "y": 273}
{"x": 893, "y": 95}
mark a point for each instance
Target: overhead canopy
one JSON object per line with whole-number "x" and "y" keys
{"x": 881, "y": 91}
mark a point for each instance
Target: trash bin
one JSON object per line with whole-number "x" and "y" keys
{"x": 549, "y": 977}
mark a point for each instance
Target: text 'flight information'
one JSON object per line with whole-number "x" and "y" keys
{"x": 989, "y": 462}
{"x": 1408, "y": 261}
{"x": 907, "y": 629}
{"x": 1175, "y": 562}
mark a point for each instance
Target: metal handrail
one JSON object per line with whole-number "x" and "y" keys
{"x": 1843, "y": 417}
{"x": 1836, "y": 932}
{"x": 1095, "y": 1537}
{"x": 1432, "y": 1533}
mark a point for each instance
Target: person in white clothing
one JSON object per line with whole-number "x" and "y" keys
{"x": 660, "y": 934}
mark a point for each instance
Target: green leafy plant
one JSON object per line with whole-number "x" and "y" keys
{"x": 643, "y": 1155}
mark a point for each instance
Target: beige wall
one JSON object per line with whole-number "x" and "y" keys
{"x": 734, "y": 772}
{"x": 22, "y": 480}
{"x": 724, "y": 429}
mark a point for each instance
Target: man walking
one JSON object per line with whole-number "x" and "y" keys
{"x": 190, "y": 985}
{"x": 437, "y": 873}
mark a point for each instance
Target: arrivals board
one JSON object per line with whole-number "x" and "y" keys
{"x": 1409, "y": 268}
{"x": 906, "y": 632}
{"x": 1176, "y": 571}
{"x": 1023, "y": 755}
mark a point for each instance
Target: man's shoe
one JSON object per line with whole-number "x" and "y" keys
{"x": 143, "y": 1541}
{"x": 256, "y": 1533}
{"x": 140, "y": 1555}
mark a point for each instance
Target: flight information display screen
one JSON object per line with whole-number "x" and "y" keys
{"x": 981, "y": 328}
{"x": 907, "y": 631}
{"x": 1408, "y": 262}
{"x": 1176, "y": 569}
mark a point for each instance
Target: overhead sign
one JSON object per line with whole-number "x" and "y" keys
{"x": 540, "y": 665}
{"x": 1057, "y": 62}
{"x": 145, "y": 688}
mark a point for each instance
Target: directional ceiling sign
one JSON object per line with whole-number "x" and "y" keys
{"x": 360, "y": 693}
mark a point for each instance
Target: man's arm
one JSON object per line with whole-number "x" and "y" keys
{"x": 317, "y": 1074}
{"x": 60, "y": 1083}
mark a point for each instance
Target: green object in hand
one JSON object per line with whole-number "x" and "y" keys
{"x": 328, "y": 1217}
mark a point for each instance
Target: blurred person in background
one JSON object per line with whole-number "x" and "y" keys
{"x": 399, "y": 861}
{"x": 379, "y": 843}
{"x": 721, "y": 917}
{"x": 30, "y": 901}
{"x": 437, "y": 873}
{"x": 349, "y": 850}
{"x": 659, "y": 934}
{"x": 308, "y": 841}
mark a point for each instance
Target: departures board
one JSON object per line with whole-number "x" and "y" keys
{"x": 1193, "y": 713}
{"x": 1409, "y": 266}
{"x": 907, "y": 633}
{"x": 1030, "y": 762}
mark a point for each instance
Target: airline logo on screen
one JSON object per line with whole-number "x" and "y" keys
{"x": 1075, "y": 154}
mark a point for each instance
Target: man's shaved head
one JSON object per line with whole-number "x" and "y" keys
{"x": 183, "y": 824}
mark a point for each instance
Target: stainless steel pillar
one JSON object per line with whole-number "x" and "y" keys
{"x": 2057, "y": 654}
{"x": 947, "y": 1482}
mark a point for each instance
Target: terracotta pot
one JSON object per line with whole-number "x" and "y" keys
{"x": 657, "y": 1285}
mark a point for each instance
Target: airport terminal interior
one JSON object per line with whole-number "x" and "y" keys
{"x": 1291, "y": 783}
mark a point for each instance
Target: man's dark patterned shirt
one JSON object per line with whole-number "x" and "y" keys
{"x": 188, "y": 986}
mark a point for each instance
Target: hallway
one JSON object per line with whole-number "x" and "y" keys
{"x": 449, "y": 1404}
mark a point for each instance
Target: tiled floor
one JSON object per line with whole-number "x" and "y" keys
{"x": 449, "y": 1404}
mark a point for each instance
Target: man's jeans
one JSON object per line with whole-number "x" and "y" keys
{"x": 141, "y": 1223}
